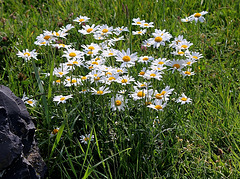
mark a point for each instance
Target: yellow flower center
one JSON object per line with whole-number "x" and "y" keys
{"x": 139, "y": 23}
{"x": 119, "y": 71}
{"x": 145, "y": 59}
{"x": 62, "y": 45}
{"x": 74, "y": 81}
{"x": 195, "y": 57}
{"x": 55, "y": 131}
{"x": 142, "y": 73}
{"x": 47, "y": 37}
{"x": 86, "y": 138}
{"x": 69, "y": 64}
{"x": 158, "y": 96}
{"x": 188, "y": 63}
{"x": 110, "y": 53}
{"x": 75, "y": 62}
{"x": 158, "y": 39}
{"x": 62, "y": 98}
{"x": 118, "y": 102}
{"x": 96, "y": 79}
{"x": 197, "y": 15}
{"x": 139, "y": 32}
{"x": 160, "y": 63}
{"x": 163, "y": 92}
{"x": 148, "y": 103}
{"x": 58, "y": 81}
{"x": 184, "y": 99}
{"x": 91, "y": 48}
{"x": 60, "y": 73}
{"x": 126, "y": 58}
{"x": 111, "y": 78}
{"x": 105, "y": 30}
{"x": 95, "y": 63}
{"x": 89, "y": 30}
{"x": 124, "y": 81}
{"x": 153, "y": 75}
{"x": 91, "y": 67}
{"x": 57, "y": 34}
{"x": 90, "y": 53}
{"x": 99, "y": 92}
{"x": 108, "y": 73}
{"x": 146, "y": 24}
{"x": 158, "y": 107}
{"x": 180, "y": 52}
{"x": 176, "y": 66}
{"x": 81, "y": 20}
{"x": 29, "y": 102}
{"x": 143, "y": 85}
{"x": 140, "y": 94}
{"x": 184, "y": 46}
{"x": 72, "y": 54}
{"x": 28, "y": 54}
{"x": 96, "y": 59}
{"x": 43, "y": 42}
{"x": 84, "y": 78}
{"x": 187, "y": 72}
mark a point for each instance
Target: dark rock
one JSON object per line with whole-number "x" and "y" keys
{"x": 19, "y": 153}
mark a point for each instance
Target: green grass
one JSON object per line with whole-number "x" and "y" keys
{"x": 198, "y": 140}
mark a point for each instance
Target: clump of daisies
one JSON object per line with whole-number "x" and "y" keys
{"x": 120, "y": 76}
{"x": 195, "y": 17}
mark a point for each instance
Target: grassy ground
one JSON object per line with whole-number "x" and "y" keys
{"x": 198, "y": 140}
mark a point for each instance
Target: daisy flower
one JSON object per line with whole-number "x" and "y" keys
{"x": 61, "y": 98}
{"x": 194, "y": 55}
{"x": 127, "y": 58}
{"x": 124, "y": 80}
{"x": 61, "y": 45}
{"x": 142, "y": 72}
{"x": 147, "y": 25}
{"x": 187, "y": 73}
{"x": 54, "y": 131}
{"x": 91, "y": 49}
{"x": 176, "y": 41}
{"x": 137, "y": 21}
{"x": 72, "y": 54}
{"x": 81, "y": 19}
{"x": 119, "y": 30}
{"x": 102, "y": 90}
{"x": 138, "y": 94}
{"x": 184, "y": 45}
{"x": 60, "y": 72}
{"x": 86, "y": 138}
{"x": 189, "y": 62}
{"x": 140, "y": 32}
{"x": 88, "y": 29}
{"x": 72, "y": 82}
{"x": 109, "y": 52}
{"x": 152, "y": 74}
{"x": 183, "y": 99}
{"x": 187, "y": 19}
{"x": 176, "y": 65}
{"x": 67, "y": 28}
{"x": 27, "y": 55}
{"x": 104, "y": 30}
{"x": 29, "y": 101}
{"x": 164, "y": 94}
{"x": 145, "y": 59}
{"x": 118, "y": 102}
{"x": 157, "y": 105}
{"x": 74, "y": 62}
{"x": 198, "y": 16}
{"x": 142, "y": 84}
